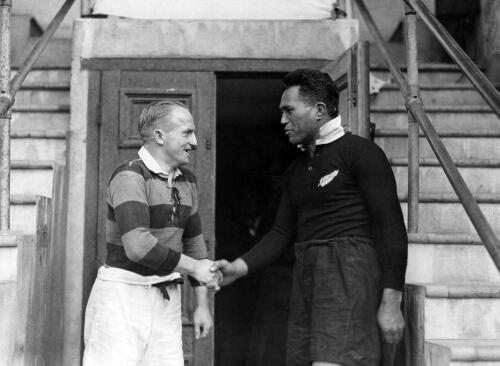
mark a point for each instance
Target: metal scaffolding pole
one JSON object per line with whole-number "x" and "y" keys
{"x": 5, "y": 99}
{"x": 413, "y": 128}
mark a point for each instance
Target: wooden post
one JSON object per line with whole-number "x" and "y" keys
{"x": 413, "y": 129}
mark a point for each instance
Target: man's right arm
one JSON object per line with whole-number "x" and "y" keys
{"x": 130, "y": 210}
{"x": 267, "y": 250}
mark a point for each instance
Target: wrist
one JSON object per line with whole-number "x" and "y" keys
{"x": 391, "y": 297}
{"x": 241, "y": 267}
{"x": 186, "y": 265}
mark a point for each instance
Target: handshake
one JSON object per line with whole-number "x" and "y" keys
{"x": 219, "y": 273}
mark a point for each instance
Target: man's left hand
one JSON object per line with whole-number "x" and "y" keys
{"x": 202, "y": 322}
{"x": 390, "y": 318}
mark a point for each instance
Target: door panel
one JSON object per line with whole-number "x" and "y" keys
{"x": 124, "y": 94}
{"x": 350, "y": 73}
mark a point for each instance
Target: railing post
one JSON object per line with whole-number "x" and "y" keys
{"x": 86, "y": 8}
{"x": 413, "y": 128}
{"x": 5, "y": 99}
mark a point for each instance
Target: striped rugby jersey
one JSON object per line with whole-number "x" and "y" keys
{"x": 143, "y": 235}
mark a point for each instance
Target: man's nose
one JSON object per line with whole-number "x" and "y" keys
{"x": 192, "y": 141}
{"x": 283, "y": 120}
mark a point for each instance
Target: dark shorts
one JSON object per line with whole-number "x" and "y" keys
{"x": 335, "y": 297}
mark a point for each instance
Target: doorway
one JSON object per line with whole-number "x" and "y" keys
{"x": 252, "y": 153}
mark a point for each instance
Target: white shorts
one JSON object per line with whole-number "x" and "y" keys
{"x": 129, "y": 323}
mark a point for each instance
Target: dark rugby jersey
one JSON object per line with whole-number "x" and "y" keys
{"x": 346, "y": 189}
{"x": 142, "y": 234}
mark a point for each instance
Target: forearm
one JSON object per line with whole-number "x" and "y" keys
{"x": 201, "y": 294}
{"x": 186, "y": 265}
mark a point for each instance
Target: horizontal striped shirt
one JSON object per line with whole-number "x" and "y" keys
{"x": 144, "y": 234}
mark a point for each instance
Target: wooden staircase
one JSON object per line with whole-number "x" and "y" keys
{"x": 454, "y": 294}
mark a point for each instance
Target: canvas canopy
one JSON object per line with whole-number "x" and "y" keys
{"x": 217, "y": 9}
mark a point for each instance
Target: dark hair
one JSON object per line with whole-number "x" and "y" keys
{"x": 314, "y": 86}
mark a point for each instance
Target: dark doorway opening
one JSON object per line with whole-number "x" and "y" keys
{"x": 252, "y": 153}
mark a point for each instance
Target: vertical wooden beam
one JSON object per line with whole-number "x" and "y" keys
{"x": 413, "y": 128}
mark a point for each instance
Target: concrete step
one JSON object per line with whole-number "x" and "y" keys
{"x": 460, "y": 146}
{"x": 48, "y": 74}
{"x": 31, "y": 177}
{"x": 56, "y": 54}
{"x": 23, "y": 218}
{"x": 444, "y": 118}
{"x": 451, "y": 218}
{"x": 43, "y": 93}
{"x": 434, "y": 257}
{"x": 8, "y": 257}
{"x": 38, "y": 145}
{"x": 26, "y": 118}
{"x": 463, "y": 352}
{"x": 428, "y": 73}
{"x": 28, "y": 179}
{"x": 461, "y": 311}
{"x": 432, "y": 179}
{"x": 439, "y": 94}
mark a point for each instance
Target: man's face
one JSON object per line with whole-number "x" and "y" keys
{"x": 178, "y": 136}
{"x": 298, "y": 117}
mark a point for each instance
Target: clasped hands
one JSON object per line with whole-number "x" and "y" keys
{"x": 219, "y": 273}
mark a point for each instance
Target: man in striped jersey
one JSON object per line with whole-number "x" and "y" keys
{"x": 133, "y": 316}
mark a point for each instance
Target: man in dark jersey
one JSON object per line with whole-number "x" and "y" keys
{"x": 340, "y": 207}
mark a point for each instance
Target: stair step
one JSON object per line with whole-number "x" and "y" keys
{"x": 461, "y": 311}
{"x": 49, "y": 74}
{"x": 450, "y": 262}
{"x": 40, "y": 147}
{"x": 428, "y": 73}
{"x": 451, "y": 217}
{"x": 477, "y": 163}
{"x": 461, "y": 148}
{"x": 466, "y": 351}
{"x": 47, "y": 96}
{"x": 451, "y": 198}
{"x": 432, "y": 179}
{"x": 8, "y": 257}
{"x": 31, "y": 177}
{"x": 438, "y": 238}
{"x": 394, "y": 132}
{"x": 450, "y": 94}
{"x": 26, "y": 121}
{"x": 443, "y": 118}
{"x": 23, "y": 218}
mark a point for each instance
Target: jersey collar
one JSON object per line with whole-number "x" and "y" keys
{"x": 153, "y": 165}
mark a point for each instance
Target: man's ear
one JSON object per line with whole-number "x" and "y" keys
{"x": 321, "y": 110}
{"x": 158, "y": 136}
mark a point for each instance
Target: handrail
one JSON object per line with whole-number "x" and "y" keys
{"x": 8, "y": 90}
{"x": 37, "y": 50}
{"x": 413, "y": 129}
{"x": 470, "y": 69}
{"x": 414, "y": 105}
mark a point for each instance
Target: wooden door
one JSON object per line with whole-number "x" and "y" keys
{"x": 124, "y": 94}
{"x": 350, "y": 73}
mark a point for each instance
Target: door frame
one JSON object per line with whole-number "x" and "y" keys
{"x": 97, "y": 71}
